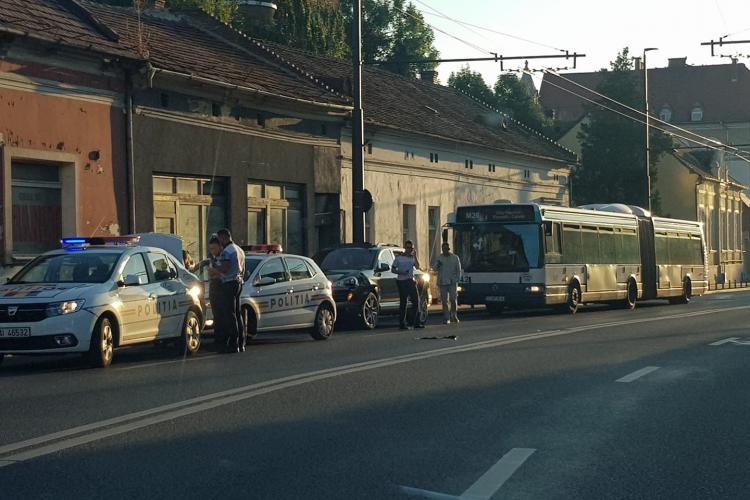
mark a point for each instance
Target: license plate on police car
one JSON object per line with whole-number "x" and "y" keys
{"x": 495, "y": 298}
{"x": 15, "y": 332}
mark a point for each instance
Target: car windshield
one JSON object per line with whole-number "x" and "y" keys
{"x": 250, "y": 264}
{"x": 79, "y": 267}
{"x": 357, "y": 259}
{"x": 498, "y": 247}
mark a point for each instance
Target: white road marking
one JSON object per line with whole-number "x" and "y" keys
{"x": 493, "y": 479}
{"x": 725, "y": 341}
{"x": 418, "y": 492}
{"x": 637, "y": 374}
{"x": 487, "y": 485}
{"x": 162, "y": 363}
{"x": 65, "y": 439}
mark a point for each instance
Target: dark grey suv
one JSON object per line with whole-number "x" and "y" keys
{"x": 363, "y": 284}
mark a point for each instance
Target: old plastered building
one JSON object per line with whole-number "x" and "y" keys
{"x": 429, "y": 149}
{"x": 204, "y": 128}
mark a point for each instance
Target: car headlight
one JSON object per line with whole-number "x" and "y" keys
{"x": 196, "y": 292}
{"x": 67, "y": 307}
{"x": 347, "y": 282}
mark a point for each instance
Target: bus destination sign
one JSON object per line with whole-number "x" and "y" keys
{"x": 496, "y": 213}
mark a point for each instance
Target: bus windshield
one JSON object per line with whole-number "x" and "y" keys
{"x": 498, "y": 247}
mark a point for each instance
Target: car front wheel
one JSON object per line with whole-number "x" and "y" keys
{"x": 190, "y": 340}
{"x": 102, "y": 347}
{"x": 370, "y": 312}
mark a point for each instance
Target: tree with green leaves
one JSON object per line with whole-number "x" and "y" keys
{"x": 472, "y": 83}
{"x": 412, "y": 39}
{"x": 613, "y": 152}
{"x": 513, "y": 97}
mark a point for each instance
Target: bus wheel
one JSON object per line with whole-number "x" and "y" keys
{"x": 687, "y": 292}
{"x": 495, "y": 308}
{"x": 574, "y": 298}
{"x": 632, "y": 296}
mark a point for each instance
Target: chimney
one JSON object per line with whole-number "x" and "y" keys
{"x": 429, "y": 75}
{"x": 258, "y": 12}
{"x": 637, "y": 64}
{"x": 677, "y": 62}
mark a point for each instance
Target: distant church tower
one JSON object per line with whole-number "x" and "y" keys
{"x": 528, "y": 82}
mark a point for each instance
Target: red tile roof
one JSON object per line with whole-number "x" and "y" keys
{"x": 416, "y": 106}
{"x": 722, "y": 90}
{"x": 195, "y": 44}
{"x": 167, "y": 41}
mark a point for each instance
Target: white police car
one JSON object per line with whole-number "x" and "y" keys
{"x": 281, "y": 292}
{"x": 96, "y": 294}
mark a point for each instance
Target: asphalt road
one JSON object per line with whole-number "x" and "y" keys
{"x": 605, "y": 404}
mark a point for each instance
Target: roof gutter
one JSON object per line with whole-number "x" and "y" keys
{"x": 153, "y": 72}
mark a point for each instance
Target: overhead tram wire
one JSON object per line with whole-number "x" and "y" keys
{"x": 490, "y": 30}
{"x": 459, "y": 39}
{"x": 642, "y": 122}
{"x": 638, "y": 111}
{"x": 442, "y": 15}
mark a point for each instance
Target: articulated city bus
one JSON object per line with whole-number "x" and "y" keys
{"x": 529, "y": 255}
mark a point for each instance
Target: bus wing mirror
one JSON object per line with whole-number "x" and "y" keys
{"x": 445, "y": 236}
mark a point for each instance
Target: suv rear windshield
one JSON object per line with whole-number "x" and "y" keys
{"x": 355, "y": 259}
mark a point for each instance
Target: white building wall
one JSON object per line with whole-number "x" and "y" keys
{"x": 395, "y": 177}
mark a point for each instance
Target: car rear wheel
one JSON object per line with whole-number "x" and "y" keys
{"x": 323, "y": 327}
{"x": 687, "y": 292}
{"x": 102, "y": 348}
{"x": 574, "y": 298}
{"x": 250, "y": 322}
{"x": 370, "y": 312}
{"x": 631, "y": 296}
{"x": 190, "y": 340}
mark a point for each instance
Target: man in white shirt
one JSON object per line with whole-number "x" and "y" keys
{"x": 231, "y": 271}
{"x": 448, "y": 266}
{"x": 404, "y": 266}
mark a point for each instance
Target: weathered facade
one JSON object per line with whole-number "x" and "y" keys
{"x": 194, "y": 127}
{"x": 62, "y": 147}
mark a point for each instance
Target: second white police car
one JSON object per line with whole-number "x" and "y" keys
{"x": 281, "y": 292}
{"x": 96, "y": 294}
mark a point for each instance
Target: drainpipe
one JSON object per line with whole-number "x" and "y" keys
{"x": 130, "y": 152}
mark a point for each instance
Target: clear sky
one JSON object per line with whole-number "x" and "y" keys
{"x": 600, "y": 29}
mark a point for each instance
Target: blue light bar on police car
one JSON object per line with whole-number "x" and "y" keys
{"x": 79, "y": 242}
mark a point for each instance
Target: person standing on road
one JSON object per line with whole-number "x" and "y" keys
{"x": 214, "y": 292}
{"x": 231, "y": 272}
{"x": 448, "y": 266}
{"x": 404, "y": 266}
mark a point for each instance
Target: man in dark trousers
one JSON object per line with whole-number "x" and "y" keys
{"x": 404, "y": 267}
{"x": 231, "y": 270}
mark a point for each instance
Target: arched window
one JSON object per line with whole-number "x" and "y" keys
{"x": 696, "y": 114}
{"x": 665, "y": 114}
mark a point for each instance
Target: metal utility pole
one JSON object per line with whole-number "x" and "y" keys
{"x": 358, "y": 131}
{"x": 648, "y": 130}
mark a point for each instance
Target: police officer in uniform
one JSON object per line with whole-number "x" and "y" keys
{"x": 231, "y": 272}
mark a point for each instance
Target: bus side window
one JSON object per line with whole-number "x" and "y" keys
{"x": 552, "y": 243}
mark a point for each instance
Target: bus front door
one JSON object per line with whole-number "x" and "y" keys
{"x": 648, "y": 257}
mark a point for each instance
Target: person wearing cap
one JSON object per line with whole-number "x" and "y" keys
{"x": 230, "y": 271}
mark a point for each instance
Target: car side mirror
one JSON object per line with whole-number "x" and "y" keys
{"x": 130, "y": 280}
{"x": 383, "y": 267}
{"x": 265, "y": 281}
